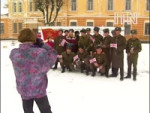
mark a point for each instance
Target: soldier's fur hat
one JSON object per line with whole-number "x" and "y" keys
{"x": 99, "y": 46}
{"x": 83, "y": 31}
{"x": 88, "y": 29}
{"x": 96, "y": 29}
{"x": 106, "y": 30}
{"x": 118, "y": 29}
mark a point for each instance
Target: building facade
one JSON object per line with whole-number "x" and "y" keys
{"x": 131, "y": 14}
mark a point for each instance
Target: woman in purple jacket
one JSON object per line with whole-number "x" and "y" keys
{"x": 31, "y": 61}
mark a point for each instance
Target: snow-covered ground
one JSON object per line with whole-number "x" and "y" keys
{"x": 73, "y": 92}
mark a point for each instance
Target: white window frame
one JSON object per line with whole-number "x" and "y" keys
{"x": 89, "y": 21}
{"x": 30, "y": 6}
{"x": 147, "y": 4}
{"x": 73, "y": 21}
{"x": 112, "y": 5}
{"x": 71, "y": 6}
{"x": 144, "y": 27}
{"x": 110, "y": 21}
{"x": 19, "y": 29}
{"x": 3, "y": 28}
{"x": 16, "y": 27}
{"x": 13, "y": 7}
{"x": 88, "y": 5}
{"x": 125, "y": 6}
{"x": 19, "y": 7}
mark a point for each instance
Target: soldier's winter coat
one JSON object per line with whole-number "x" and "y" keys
{"x": 57, "y": 44}
{"x": 118, "y": 53}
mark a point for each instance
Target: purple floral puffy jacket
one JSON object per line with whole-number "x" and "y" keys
{"x": 31, "y": 65}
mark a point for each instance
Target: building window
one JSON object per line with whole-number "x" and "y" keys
{"x": 35, "y": 7}
{"x": 14, "y": 27}
{"x": 90, "y": 24}
{"x": 14, "y": 7}
{"x": 58, "y": 23}
{"x": 147, "y": 28}
{"x": 90, "y": 5}
{"x": 73, "y": 5}
{"x": 73, "y": 23}
{"x": 110, "y": 5}
{"x": 148, "y": 5}
{"x": 30, "y": 5}
{"x": 127, "y": 28}
{"x": 20, "y": 7}
{"x": 19, "y": 26}
{"x": 128, "y": 5}
{"x": 109, "y": 24}
{"x": 1, "y": 28}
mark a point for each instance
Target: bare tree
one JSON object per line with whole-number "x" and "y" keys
{"x": 50, "y": 9}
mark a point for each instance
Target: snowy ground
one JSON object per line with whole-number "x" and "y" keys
{"x": 73, "y": 92}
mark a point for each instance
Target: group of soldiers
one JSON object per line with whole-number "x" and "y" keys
{"x": 95, "y": 53}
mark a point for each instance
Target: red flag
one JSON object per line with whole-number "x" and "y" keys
{"x": 49, "y": 33}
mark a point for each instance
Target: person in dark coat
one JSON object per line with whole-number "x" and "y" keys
{"x": 100, "y": 63}
{"x": 84, "y": 40}
{"x": 72, "y": 40}
{"x": 133, "y": 48}
{"x": 80, "y": 59}
{"x": 96, "y": 39}
{"x": 66, "y": 33}
{"x": 118, "y": 44}
{"x": 77, "y": 35}
{"x": 67, "y": 59}
{"x": 88, "y": 32}
{"x": 58, "y": 46}
{"x": 106, "y": 49}
{"x": 113, "y": 33}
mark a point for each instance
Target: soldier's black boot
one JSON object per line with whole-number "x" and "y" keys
{"x": 114, "y": 72}
{"x": 129, "y": 73}
{"x": 93, "y": 73}
{"x": 106, "y": 73}
{"x": 121, "y": 74}
{"x": 87, "y": 72}
{"x": 55, "y": 67}
{"x": 134, "y": 74}
{"x": 63, "y": 70}
{"x": 82, "y": 69}
{"x": 134, "y": 78}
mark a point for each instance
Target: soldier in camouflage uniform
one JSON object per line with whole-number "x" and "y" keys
{"x": 133, "y": 48}
{"x": 100, "y": 63}
{"x": 106, "y": 49}
{"x": 67, "y": 59}
{"x": 118, "y": 44}
{"x": 84, "y": 40}
{"x": 57, "y": 45}
{"x": 80, "y": 62}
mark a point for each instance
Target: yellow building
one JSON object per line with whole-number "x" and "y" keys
{"x": 132, "y": 14}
